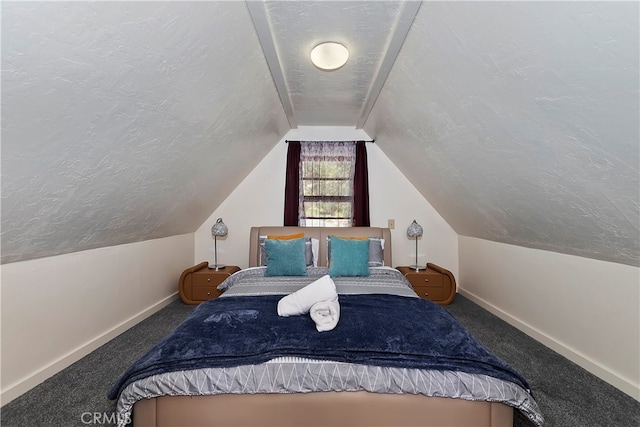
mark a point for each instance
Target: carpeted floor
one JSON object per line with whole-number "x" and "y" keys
{"x": 567, "y": 394}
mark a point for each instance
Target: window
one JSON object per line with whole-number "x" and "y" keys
{"x": 326, "y": 184}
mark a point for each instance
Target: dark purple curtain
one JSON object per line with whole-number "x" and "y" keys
{"x": 292, "y": 184}
{"x": 361, "y": 188}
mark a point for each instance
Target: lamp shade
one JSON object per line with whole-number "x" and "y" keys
{"x": 219, "y": 229}
{"x": 414, "y": 229}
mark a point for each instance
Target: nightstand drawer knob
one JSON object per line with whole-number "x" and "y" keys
{"x": 426, "y": 294}
{"x": 426, "y": 280}
{"x": 208, "y": 279}
{"x": 209, "y": 293}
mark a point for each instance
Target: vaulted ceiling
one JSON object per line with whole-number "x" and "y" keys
{"x": 518, "y": 121}
{"x": 373, "y": 31}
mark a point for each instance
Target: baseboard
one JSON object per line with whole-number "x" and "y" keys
{"x": 17, "y": 389}
{"x": 621, "y": 383}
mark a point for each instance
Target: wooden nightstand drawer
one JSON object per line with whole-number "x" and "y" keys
{"x": 433, "y": 293}
{"x": 425, "y": 278}
{"x": 203, "y": 293}
{"x": 199, "y": 283}
{"x": 204, "y": 278}
{"x": 433, "y": 283}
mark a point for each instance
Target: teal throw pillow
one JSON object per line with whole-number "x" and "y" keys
{"x": 349, "y": 257}
{"x": 285, "y": 257}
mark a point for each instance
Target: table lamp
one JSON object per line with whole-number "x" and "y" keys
{"x": 415, "y": 230}
{"x": 219, "y": 229}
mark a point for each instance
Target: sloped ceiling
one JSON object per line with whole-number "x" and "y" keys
{"x": 128, "y": 121}
{"x": 373, "y": 31}
{"x": 519, "y": 122}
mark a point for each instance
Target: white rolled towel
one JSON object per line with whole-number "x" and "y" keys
{"x": 300, "y": 301}
{"x": 326, "y": 314}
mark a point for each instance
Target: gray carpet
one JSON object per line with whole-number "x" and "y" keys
{"x": 567, "y": 394}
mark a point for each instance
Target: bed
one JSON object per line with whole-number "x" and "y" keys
{"x": 235, "y": 362}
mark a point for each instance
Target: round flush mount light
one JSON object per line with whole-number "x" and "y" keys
{"x": 329, "y": 56}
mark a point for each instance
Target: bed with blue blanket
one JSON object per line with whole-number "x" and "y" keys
{"x": 391, "y": 359}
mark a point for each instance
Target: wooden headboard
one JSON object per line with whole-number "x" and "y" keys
{"x": 320, "y": 233}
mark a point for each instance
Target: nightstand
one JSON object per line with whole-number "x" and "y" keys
{"x": 435, "y": 283}
{"x": 199, "y": 283}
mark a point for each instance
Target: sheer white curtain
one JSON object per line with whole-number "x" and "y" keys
{"x": 326, "y": 183}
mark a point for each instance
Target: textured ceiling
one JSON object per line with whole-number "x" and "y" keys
{"x": 373, "y": 31}
{"x": 118, "y": 117}
{"x": 518, "y": 121}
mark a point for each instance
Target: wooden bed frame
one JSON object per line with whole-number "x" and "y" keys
{"x": 360, "y": 408}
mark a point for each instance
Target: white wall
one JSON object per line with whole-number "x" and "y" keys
{"x": 259, "y": 200}
{"x": 58, "y": 309}
{"x": 585, "y": 309}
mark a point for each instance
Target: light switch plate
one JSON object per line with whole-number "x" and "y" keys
{"x": 391, "y": 223}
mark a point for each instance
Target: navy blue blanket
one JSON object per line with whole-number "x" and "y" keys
{"x": 381, "y": 330}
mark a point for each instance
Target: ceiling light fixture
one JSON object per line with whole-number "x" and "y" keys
{"x": 329, "y": 56}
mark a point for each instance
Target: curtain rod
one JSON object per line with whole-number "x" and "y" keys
{"x": 372, "y": 141}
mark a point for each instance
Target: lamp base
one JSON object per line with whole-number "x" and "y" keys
{"x": 417, "y": 267}
{"x": 216, "y": 266}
